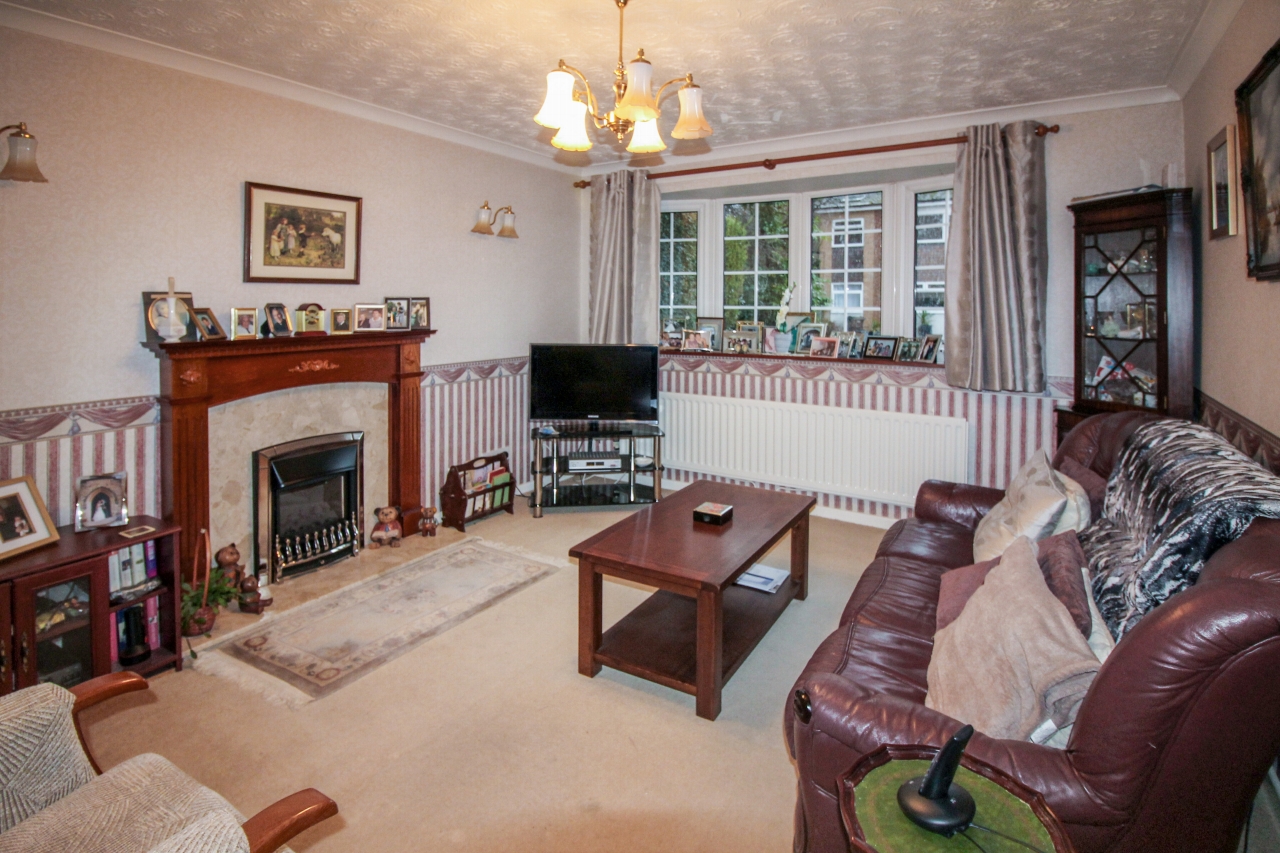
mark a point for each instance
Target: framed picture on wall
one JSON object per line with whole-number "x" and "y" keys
{"x": 1223, "y": 184}
{"x": 1258, "y": 111}
{"x": 24, "y": 521}
{"x": 293, "y": 235}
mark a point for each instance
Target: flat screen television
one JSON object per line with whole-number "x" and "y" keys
{"x": 570, "y": 382}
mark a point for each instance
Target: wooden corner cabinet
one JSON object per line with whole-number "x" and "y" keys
{"x": 1134, "y": 305}
{"x": 58, "y": 617}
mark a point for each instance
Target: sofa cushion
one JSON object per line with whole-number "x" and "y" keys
{"x": 1038, "y": 503}
{"x": 1013, "y": 657}
{"x": 1093, "y": 483}
{"x": 943, "y": 543}
{"x": 133, "y": 807}
{"x": 41, "y": 760}
{"x": 1179, "y": 492}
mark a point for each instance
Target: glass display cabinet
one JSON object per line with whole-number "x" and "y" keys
{"x": 1134, "y": 327}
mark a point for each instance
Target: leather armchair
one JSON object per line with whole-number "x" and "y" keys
{"x": 1172, "y": 741}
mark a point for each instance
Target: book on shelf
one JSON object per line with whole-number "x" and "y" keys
{"x": 150, "y": 549}
{"x": 153, "y": 623}
{"x": 126, "y": 567}
{"x": 113, "y": 573}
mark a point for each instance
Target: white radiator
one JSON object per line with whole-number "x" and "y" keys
{"x": 861, "y": 453}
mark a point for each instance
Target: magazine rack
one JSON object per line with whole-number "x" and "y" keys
{"x": 461, "y": 503}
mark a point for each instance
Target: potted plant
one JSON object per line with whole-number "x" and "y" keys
{"x": 923, "y": 326}
{"x": 201, "y": 602}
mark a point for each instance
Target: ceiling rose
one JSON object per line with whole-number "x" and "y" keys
{"x": 636, "y": 109}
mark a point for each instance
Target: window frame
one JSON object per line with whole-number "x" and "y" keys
{"x": 703, "y": 209}
{"x": 906, "y": 296}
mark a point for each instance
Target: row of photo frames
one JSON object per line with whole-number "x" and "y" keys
{"x": 805, "y": 338}
{"x": 394, "y": 313}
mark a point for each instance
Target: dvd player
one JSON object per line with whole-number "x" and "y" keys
{"x": 594, "y": 460}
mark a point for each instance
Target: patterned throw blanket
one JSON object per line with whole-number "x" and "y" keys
{"x": 1178, "y": 493}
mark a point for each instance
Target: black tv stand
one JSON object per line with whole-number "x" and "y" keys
{"x": 550, "y": 466}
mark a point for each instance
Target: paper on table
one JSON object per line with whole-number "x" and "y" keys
{"x": 764, "y": 578}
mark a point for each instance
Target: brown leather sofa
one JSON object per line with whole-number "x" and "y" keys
{"x": 1172, "y": 741}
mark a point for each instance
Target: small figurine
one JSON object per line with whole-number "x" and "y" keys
{"x": 250, "y": 599}
{"x": 428, "y": 524}
{"x": 388, "y": 530}
{"x": 228, "y": 560}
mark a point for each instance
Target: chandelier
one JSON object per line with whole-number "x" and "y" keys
{"x": 635, "y": 111}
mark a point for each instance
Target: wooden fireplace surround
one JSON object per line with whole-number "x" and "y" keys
{"x": 196, "y": 376}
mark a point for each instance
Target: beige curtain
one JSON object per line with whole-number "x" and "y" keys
{"x": 996, "y": 261}
{"x": 624, "y": 259}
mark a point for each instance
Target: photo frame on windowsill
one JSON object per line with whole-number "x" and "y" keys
{"x": 24, "y": 521}
{"x": 881, "y": 347}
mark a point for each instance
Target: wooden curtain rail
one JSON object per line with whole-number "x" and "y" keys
{"x": 829, "y": 155}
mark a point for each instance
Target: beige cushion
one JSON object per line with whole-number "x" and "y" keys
{"x": 41, "y": 760}
{"x": 216, "y": 831}
{"x": 133, "y": 807}
{"x": 1038, "y": 503}
{"x": 1013, "y": 657}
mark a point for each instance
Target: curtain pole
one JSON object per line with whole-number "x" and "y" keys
{"x": 829, "y": 155}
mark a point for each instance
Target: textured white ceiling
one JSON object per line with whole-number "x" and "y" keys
{"x": 769, "y": 68}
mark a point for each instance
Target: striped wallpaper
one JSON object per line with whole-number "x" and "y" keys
{"x": 478, "y": 408}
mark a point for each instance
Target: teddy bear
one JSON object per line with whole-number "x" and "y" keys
{"x": 428, "y": 523}
{"x": 388, "y": 530}
{"x": 228, "y": 559}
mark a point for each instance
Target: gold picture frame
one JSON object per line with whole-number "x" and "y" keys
{"x": 25, "y": 523}
{"x": 340, "y": 321}
{"x": 1223, "y": 184}
{"x": 208, "y": 326}
{"x": 240, "y": 329}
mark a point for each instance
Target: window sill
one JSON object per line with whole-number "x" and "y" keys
{"x": 807, "y": 359}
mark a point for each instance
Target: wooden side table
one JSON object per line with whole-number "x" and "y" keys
{"x": 875, "y": 823}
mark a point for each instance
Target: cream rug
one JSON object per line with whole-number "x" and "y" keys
{"x": 317, "y": 648}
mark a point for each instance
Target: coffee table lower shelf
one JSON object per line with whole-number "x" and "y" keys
{"x": 658, "y": 640}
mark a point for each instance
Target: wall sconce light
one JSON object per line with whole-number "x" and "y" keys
{"x": 486, "y": 217}
{"x": 21, "y": 165}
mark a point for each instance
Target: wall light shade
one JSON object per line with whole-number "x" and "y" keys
{"x": 508, "y": 228}
{"x": 483, "y": 221}
{"x": 558, "y": 101}
{"x": 637, "y": 102}
{"x": 645, "y": 139}
{"x": 572, "y": 135}
{"x": 692, "y": 123}
{"x": 21, "y": 165}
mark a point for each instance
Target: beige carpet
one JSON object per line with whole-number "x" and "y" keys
{"x": 486, "y": 738}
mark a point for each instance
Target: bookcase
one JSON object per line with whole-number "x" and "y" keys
{"x": 60, "y": 616}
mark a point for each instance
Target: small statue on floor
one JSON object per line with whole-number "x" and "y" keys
{"x": 388, "y": 530}
{"x": 250, "y": 599}
{"x": 428, "y": 524}
{"x": 228, "y": 560}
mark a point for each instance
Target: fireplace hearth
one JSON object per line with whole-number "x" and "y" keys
{"x": 308, "y": 503}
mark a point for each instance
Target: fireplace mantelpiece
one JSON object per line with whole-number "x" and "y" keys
{"x": 196, "y": 376}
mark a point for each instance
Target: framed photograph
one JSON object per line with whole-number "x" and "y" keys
{"x": 848, "y": 347}
{"x": 929, "y": 348}
{"x": 293, "y": 235}
{"x": 208, "y": 326}
{"x": 713, "y": 328}
{"x": 805, "y": 333}
{"x": 339, "y": 321}
{"x": 244, "y": 323}
{"x": 371, "y": 317}
{"x": 310, "y": 319}
{"x": 1258, "y": 117}
{"x": 102, "y": 501}
{"x": 155, "y": 308}
{"x": 24, "y": 521}
{"x": 278, "y": 323}
{"x": 420, "y": 313}
{"x": 397, "y": 313}
{"x": 695, "y": 339}
{"x": 673, "y": 339}
{"x": 1223, "y": 184}
{"x": 741, "y": 343}
{"x": 824, "y": 347}
{"x": 745, "y": 326}
{"x": 881, "y": 346}
{"x": 908, "y": 349}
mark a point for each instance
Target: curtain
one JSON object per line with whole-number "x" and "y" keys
{"x": 996, "y": 262}
{"x": 624, "y": 259}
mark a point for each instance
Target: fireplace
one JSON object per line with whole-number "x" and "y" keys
{"x": 308, "y": 504}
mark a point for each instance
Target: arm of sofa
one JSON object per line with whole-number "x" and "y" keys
{"x": 97, "y": 690}
{"x": 282, "y": 820}
{"x": 960, "y": 503}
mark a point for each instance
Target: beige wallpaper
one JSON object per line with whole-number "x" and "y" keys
{"x": 1239, "y": 314}
{"x": 146, "y": 169}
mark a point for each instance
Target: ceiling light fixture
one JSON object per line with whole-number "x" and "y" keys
{"x": 635, "y": 110}
{"x": 21, "y": 165}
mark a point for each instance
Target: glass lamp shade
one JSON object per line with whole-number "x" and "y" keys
{"x": 482, "y": 221}
{"x": 559, "y": 96}
{"x": 645, "y": 138}
{"x": 508, "y": 228}
{"x": 692, "y": 123}
{"x": 572, "y": 135}
{"x": 21, "y": 165}
{"x": 637, "y": 102}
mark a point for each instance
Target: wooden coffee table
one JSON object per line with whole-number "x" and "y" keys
{"x": 695, "y": 632}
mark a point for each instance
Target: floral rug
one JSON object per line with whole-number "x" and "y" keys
{"x": 326, "y": 644}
